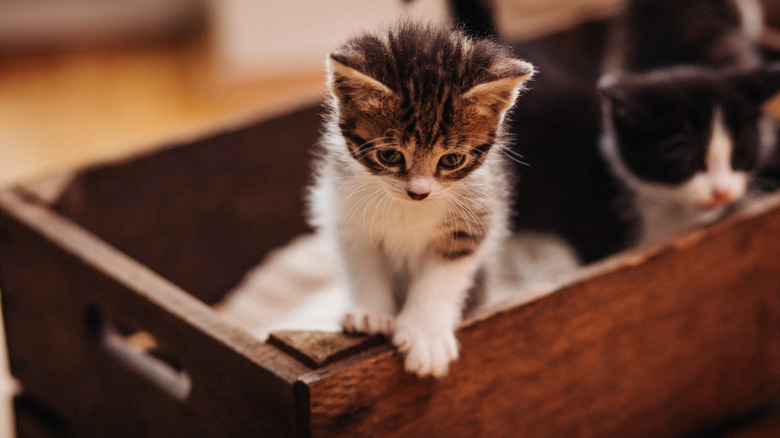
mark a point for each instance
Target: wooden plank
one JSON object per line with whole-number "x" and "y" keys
{"x": 664, "y": 341}
{"x": 55, "y": 276}
{"x": 762, "y": 425}
{"x": 317, "y": 348}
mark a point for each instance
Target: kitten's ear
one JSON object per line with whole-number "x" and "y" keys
{"x": 621, "y": 96}
{"x": 351, "y": 87}
{"x": 759, "y": 85}
{"x": 500, "y": 94}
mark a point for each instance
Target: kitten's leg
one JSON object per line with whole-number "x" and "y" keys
{"x": 425, "y": 328}
{"x": 368, "y": 280}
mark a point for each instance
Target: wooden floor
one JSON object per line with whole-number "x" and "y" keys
{"x": 61, "y": 110}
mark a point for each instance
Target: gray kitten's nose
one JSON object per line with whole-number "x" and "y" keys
{"x": 416, "y": 196}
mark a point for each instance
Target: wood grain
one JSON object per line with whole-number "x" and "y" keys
{"x": 56, "y": 274}
{"x": 316, "y": 349}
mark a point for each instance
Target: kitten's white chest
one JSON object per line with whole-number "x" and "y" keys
{"x": 371, "y": 214}
{"x": 664, "y": 217}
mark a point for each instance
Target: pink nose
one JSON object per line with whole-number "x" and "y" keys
{"x": 416, "y": 196}
{"x": 721, "y": 195}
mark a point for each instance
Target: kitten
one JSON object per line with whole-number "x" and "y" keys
{"x": 683, "y": 126}
{"x": 688, "y": 142}
{"x": 411, "y": 185}
{"x": 668, "y": 140}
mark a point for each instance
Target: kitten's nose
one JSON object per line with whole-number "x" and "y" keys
{"x": 416, "y": 196}
{"x": 720, "y": 195}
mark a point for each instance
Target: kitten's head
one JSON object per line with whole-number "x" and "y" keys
{"x": 690, "y": 135}
{"x": 421, "y": 106}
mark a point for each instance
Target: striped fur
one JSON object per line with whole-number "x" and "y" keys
{"x": 412, "y": 185}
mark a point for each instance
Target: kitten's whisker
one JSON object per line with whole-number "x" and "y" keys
{"x": 478, "y": 137}
{"x": 486, "y": 195}
{"x": 352, "y": 210}
{"x": 507, "y": 151}
{"x": 361, "y": 188}
{"x": 379, "y": 208}
{"x": 514, "y": 156}
{"x": 476, "y": 217}
{"x": 463, "y": 208}
{"x": 375, "y": 143}
{"x": 369, "y": 147}
{"x": 363, "y": 201}
{"x": 489, "y": 186}
{"x": 377, "y": 139}
{"x": 373, "y": 198}
{"x": 451, "y": 218}
{"x": 498, "y": 189}
{"x": 467, "y": 210}
{"x": 455, "y": 216}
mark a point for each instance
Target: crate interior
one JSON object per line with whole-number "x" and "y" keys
{"x": 201, "y": 214}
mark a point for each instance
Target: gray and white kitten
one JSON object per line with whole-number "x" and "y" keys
{"x": 411, "y": 186}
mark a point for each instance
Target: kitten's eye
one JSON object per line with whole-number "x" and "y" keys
{"x": 674, "y": 142}
{"x": 390, "y": 157}
{"x": 451, "y": 161}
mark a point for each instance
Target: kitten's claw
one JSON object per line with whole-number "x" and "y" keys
{"x": 427, "y": 354}
{"x": 367, "y": 323}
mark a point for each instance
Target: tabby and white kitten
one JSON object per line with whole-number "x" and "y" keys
{"x": 683, "y": 125}
{"x": 412, "y": 186}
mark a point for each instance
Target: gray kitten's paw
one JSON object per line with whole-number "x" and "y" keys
{"x": 367, "y": 323}
{"x": 428, "y": 353}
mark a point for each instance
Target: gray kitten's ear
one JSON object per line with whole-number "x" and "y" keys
{"x": 353, "y": 87}
{"x": 500, "y": 94}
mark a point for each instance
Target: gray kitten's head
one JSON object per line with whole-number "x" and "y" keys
{"x": 421, "y": 106}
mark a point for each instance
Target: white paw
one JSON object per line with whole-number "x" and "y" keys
{"x": 368, "y": 323}
{"x": 428, "y": 353}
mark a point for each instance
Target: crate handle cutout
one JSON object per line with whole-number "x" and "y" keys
{"x": 139, "y": 351}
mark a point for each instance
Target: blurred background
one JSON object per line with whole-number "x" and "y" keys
{"x": 83, "y": 81}
{"x": 89, "y": 80}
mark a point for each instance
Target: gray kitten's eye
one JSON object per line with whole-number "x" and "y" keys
{"x": 451, "y": 161}
{"x": 390, "y": 157}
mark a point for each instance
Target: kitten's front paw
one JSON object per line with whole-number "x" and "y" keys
{"x": 368, "y": 323}
{"x": 428, "y": 353}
